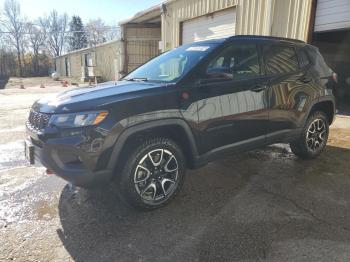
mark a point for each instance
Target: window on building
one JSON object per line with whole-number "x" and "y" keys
{"x": 280, "y": 59}
{"x": 235, "y": 62}
{"x": 88, "y": 59}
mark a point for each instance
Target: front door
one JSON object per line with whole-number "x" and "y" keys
{"x": 232, "y": 100}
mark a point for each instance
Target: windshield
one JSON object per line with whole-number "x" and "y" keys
{"x": 172, "y": 65}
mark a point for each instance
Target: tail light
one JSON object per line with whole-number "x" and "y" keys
{"x": 335, "y": 77}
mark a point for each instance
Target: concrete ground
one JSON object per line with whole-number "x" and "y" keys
{"x": 265, "y": 205}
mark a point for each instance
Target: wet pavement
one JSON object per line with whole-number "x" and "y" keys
{"x": 265, "y": 205}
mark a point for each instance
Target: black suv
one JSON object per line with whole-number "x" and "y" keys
{"x": 183, "y": 109}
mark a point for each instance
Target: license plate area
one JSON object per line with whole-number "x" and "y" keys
{"x": 29, "y": 151}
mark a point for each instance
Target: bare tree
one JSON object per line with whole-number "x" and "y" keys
{"x": 95, "y": 32}
{"x": 13, "y": 23}
{"x": 36, "y": 41}
{"x": 113, "y": 33}
{"x": 55, "y": 27}
{"x": 98, "y": 32}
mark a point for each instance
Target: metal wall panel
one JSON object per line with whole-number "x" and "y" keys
{"x": 142, "y": 44}
{"x": 220, "y": 24}
{"x": 332, "y": 15}
{"x": 291, "y": 18}
{"x": 285, "y": 18}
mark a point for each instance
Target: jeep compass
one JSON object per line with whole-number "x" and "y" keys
{"x": 183, "y": 109}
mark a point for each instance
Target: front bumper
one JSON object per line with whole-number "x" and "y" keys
{"x": 66, "y": 159}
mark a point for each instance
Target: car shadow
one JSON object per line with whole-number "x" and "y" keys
{"x": 232, "y": 209}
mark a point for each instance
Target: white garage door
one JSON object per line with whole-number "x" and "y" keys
{"x": 217, "y": 25}
{"x": 332, "y": 15}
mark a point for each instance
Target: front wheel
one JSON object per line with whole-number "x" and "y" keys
{"x": 313, "y": 138}
{"x": 153, "y": 174}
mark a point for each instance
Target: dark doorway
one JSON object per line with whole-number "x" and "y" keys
{"x": 335, "y": 47}
{"x": 67, "y": 65}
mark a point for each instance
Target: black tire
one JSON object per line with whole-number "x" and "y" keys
{"x": 305, "y": 146}
{"x": 146, "y": 155}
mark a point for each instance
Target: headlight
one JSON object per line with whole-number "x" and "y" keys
{"x": 78, "y": 119}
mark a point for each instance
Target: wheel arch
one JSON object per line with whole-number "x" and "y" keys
{"x": 326, "y": 105}
{"x": 176, "y": 129}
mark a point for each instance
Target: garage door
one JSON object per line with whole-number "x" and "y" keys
{"x": 217, "y": 25}
{"x": 332, "y": 15}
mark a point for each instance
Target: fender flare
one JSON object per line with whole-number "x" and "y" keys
{"x": 320, "y": 100}
{"x": 118, "y": 146}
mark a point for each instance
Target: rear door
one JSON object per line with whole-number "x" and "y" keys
{"x": 291, "y": 90}
{"x": 232, "y": 102}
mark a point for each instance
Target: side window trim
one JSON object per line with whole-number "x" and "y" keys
{"x": 260, "y": 49}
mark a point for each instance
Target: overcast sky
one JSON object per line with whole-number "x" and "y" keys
{"x": 112, "y": 11}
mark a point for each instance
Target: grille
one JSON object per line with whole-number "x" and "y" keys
{"x": 38, "y": 120}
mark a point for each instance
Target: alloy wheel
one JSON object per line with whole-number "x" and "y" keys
{"x": 156, "y": 175}
{"x": 316, "y": 135}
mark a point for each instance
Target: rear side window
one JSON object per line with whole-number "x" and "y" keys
{"x": 320, "y": 65}
{"x": 280, "y": 59}
{"x": 303, "y": 58}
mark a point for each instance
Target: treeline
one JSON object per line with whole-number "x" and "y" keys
{"x": 27, "y": 47}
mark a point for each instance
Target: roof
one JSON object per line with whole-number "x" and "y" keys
{"x": 150, "y": 15}
{"x": 90, "y": 48}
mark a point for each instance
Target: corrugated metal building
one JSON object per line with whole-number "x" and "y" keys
{"x": 186, "y": 20}
{"x": 141, "y": 37}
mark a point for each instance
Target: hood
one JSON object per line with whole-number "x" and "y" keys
{"x": 90, "y": 98}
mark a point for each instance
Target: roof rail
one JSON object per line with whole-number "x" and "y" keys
{"x": 263, "y": 37}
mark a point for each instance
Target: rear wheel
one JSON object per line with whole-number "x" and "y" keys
{"x": 313, "y": 138}
{"x": 153, "y": 174}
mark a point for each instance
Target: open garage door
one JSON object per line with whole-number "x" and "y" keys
{"x": 332, "y": 36}
{"x": 216, "y": 25}
{"x": 332, "y": 15}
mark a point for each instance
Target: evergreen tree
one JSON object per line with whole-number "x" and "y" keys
{"x": 77, "y": 40}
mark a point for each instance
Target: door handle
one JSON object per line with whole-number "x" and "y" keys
{"x": 306, "y": 80}
{"x": 259, "y": 88}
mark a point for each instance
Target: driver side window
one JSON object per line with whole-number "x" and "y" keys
{"x": 238, "y": 61}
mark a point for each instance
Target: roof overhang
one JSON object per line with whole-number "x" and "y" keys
{"x": 151, "y": 15}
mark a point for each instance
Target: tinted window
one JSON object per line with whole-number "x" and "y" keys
{"x": 319, "y": 63}
{"x": 280, "y": 59}
{"x": 303, "y": 58}
{"x": 235, "y": 62}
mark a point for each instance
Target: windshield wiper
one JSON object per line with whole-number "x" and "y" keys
{"x": 143, "y": 79}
